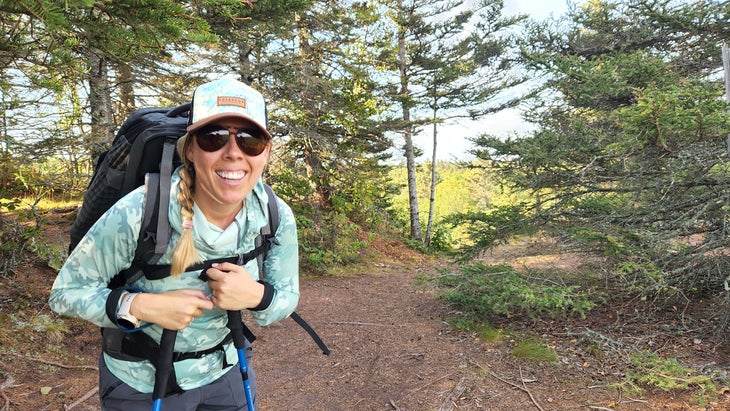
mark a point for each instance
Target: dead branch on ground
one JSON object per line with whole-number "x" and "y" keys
{"x": 453, "y": 397}
{"x": 522, "y": 388}
{"x": 82, "y": 399}
{"x": 6, "y": 384}
{"x": 56, "y": 364}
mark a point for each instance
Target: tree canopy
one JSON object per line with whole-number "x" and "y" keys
{"x": 73, "y": 70}
{"x": 630, "y": 157}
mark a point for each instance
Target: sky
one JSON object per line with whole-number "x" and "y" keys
{"x": 452, "y": 141}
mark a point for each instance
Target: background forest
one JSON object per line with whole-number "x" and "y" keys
{"x": 628, "y": 158}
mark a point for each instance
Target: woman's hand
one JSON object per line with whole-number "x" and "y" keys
{"x": 233, "y": 287}
{"x": 172, "y": 310}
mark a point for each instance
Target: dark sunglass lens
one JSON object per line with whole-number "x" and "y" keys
{"x": 250, "y": 143}
{"x": 212, "y": 140}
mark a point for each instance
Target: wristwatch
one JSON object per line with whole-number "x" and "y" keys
{"x": 124, "y": 317}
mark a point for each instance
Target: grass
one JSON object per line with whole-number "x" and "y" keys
{"x": 666, "y": 374}
{"x": 528, "y": 349}
{"x": 534, "y": 351}
{"x": 483, "y": 330}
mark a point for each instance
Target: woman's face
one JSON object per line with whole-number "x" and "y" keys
{"x": 225, "y": 176}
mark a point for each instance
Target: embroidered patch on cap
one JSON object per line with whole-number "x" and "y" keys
{"x": 232, "y": 101}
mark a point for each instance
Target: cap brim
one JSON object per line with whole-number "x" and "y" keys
{"x": 215, "y": 117}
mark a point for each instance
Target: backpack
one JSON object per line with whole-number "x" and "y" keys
{"x": 143, "y": 151}
{"x": 144, "y": 144}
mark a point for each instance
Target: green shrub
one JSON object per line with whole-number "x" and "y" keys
{"x": 482, "y": 291}
{"x": 333, "y": 241}
{"x": 482, "y": 230}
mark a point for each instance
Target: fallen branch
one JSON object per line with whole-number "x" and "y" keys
{"x": 449, "y": 402}
{"x": 56, "y": 364}
{"x": 6, "y": 401}
{"x": 528, "y": 391}
{"x": 595, "y": 336}
{"x": 355, "y": 323}
{"x": 636, "y": 400}
{"x": 431, "y": 382}
{"x": 82, "y": 399}
{"x": 518, "y": 387}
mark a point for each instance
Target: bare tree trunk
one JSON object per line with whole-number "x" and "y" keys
{"x": 245, "y": 70}
{"x": 102, "y": 126}
{"x": 407, "y": 134}
{"x": 125, "y": 81}
{"x": 4, "y": 146}
{"x": 726, "y": 67}
{"x": 317, "y": 175}
{"x": 432, "y": 198}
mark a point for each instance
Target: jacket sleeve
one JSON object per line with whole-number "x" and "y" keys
{"x": 80, "y": 289}
{"x": 281, "y": 270}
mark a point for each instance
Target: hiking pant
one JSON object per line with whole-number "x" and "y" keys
{"x": 225, "y": 393}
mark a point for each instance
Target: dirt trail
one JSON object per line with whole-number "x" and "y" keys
{"x": 391, "y": 350}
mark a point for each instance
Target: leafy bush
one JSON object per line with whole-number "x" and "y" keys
{"x": 482, "y": 291}
{"x": 441, "y": 238}
{"x": 334, "y": 241}
{"x": 329, "y": 236}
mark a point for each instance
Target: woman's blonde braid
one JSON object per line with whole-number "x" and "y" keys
{"x": 185, "y": 253}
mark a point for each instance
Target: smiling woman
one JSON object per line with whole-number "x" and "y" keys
{"x": 218, "y": 207}
{"x": 226, "y": 162}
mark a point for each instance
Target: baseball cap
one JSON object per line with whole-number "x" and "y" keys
{"x": 227, "y": 97}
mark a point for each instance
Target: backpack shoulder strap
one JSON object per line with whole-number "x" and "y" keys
{"x": 154, "y": 234}
{"x": 273, "y": 209}
{"x": 267, "y": 237}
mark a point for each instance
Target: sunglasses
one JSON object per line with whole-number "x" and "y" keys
{"x": 213, "y": 138}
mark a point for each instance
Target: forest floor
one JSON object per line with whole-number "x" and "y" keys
{"x": 391, "y": 348}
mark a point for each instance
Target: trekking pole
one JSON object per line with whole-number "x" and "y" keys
{"x": 235, "y": 324}
{"x": 164, "y": 365}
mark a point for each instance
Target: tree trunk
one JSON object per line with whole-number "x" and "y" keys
{"x": 432, "y": 198}
{"x": 102, "y": 126}
{"x": 316, "y": 173}
{"x": 125, "y": 81}
{"x": 407, "y": 133}
{"x": 726, "y": 68}
{"x": 4, "y": 146}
